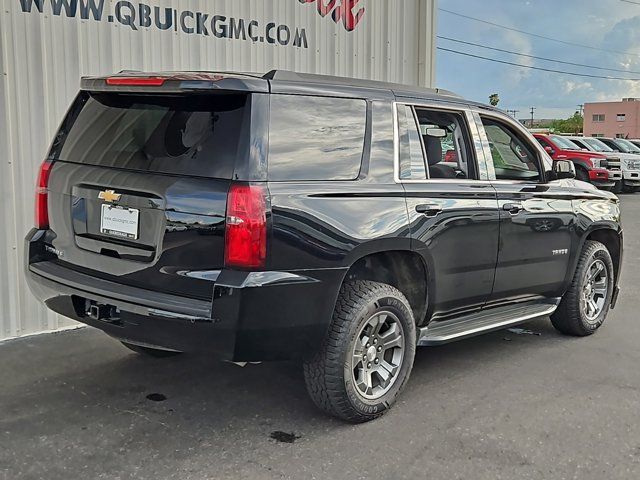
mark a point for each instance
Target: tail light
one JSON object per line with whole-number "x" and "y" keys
{"x": 42, "y": 196}
{"x": 246, "y": 227}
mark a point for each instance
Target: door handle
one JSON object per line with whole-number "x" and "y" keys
{"x": 513, "y": 208}
{"x": 429, "y": 209}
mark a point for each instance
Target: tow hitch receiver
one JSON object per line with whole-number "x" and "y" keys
{"x": 105, "y": 313}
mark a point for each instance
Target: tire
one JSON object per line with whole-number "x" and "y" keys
{"x": 150, "y": 352}
{"x": 618, "y": 187}
{"x": 573, "y": 316}
{"x": 582, "y": 175}
{"x": 335, "y": 376}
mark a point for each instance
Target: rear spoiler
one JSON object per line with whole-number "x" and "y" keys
{"x": 172, "y": 82}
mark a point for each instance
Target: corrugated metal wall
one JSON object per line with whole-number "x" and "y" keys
{"x": 44, "y": 53}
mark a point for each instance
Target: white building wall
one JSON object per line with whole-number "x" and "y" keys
{"x": 44, "y": 54}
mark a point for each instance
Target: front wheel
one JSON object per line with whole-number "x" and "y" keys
{"x": 618, "y": 187}
{"x": 367, "y": 355}
{"x": 582, "y": 175}
{"x": 586, "y": 303}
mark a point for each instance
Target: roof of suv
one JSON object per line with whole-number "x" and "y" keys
{"x": 277, "y": 81}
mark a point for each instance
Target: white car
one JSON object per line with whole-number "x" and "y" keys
{"x": 629, "y": 162}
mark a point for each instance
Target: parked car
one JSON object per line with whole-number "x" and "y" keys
{"x": 336, "y": 234}
{"x": 623, "y": 166}
{"x": 629, "y": 151}
{"x": 590, "y": 167}
{"x": 636, "y": 142}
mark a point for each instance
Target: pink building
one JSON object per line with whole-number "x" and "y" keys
{"x": 613, "y": 119}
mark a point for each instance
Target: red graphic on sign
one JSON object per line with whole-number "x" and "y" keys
{"x": 345, "y": 12}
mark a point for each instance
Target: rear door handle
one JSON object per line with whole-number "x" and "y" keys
{"x": 513, "y": 208}
{"x": 429, "y": 209}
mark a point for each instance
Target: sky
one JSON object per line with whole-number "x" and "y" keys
{"x": 612, "y": 25}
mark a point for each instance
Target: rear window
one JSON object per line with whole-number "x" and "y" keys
{"x": 316, "y": 138}
{"x": 194, "y": 135}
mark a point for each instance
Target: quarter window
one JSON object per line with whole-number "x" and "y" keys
{"x": 316, "y": 138}
{"x": 513, "y": 157}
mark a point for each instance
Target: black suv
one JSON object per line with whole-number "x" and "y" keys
{"x": 290, "y": 216}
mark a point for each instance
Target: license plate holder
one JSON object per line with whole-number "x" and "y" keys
{"x": 119, "y": 221}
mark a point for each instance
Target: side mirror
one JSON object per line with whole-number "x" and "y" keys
{"x": 564, "y": 169}
{"x": 549, "y": 150}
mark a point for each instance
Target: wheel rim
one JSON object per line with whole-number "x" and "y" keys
{"x": 377, "y": 355}
{"x": 595, "y": 290}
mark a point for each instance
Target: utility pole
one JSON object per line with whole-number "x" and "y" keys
{"x": 581, "y": 107}
{"x": 533, "y": 109}
{"x": 515, "y": 113}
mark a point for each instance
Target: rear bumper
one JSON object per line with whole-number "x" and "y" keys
{"x": 252, "y": 316}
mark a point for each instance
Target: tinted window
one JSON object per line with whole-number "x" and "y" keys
{"x": 412, "y": 165}
{"x": 564, "y": 143}
{"x": 191, "y": 134}
{"x": 316, "y": 138}
{"x": 445, "y": 138}
{"x": 597, "y": 145}
{"x": 513, "y": 157}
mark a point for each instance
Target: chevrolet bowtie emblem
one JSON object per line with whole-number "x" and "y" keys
{"x": 109, "y": 196}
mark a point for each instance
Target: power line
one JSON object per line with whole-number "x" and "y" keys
{"x": 536, "y": 57}
{"x": 537, "y": 35}
{"x": 629, "y": 1}
{"x": 575, "y": 74}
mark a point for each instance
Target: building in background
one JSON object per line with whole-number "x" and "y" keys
{"x": 613, "y": 119}
{"x": 47, "y": 45}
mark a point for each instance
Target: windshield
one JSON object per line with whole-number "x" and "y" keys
{"x": 597, "y": 145}
{"x": 626, "y": 145}
{"x": 564, "y": 143}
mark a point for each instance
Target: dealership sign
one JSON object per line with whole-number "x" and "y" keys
{"x": 139, "y": 15}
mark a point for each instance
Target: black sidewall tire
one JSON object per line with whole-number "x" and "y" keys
{"x": 569, "y": 318}
{"x": 376, "y": 407}
{"x": 599, "y": 254}
{"x": 582, "y": 175}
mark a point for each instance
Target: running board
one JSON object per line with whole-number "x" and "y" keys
{"x": 484, "y": 321}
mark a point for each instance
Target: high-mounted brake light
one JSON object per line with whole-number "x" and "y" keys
{"x": 246, "y": 227}
{"x": 42, "y": 196}
{"x": 136, "y": 81}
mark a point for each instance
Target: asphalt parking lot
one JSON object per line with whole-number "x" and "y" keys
{"x": 506, "y": 405}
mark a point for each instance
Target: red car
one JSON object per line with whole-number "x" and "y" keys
{"x": 590, "y": 166}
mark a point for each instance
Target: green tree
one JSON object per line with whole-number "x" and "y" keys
{"x": 494, "y": 99}
{"x": 573, "y": 124}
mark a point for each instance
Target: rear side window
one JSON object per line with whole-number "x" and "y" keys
{"x": 316, "y": 138}
{"x": 195, "y": 135}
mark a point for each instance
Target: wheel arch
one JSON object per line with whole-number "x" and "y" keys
{"x": 607, "y": 235}
{"x": 611, "y": 239}
{"x": 402, "y": 269}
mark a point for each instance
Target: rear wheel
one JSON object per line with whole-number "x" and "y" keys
{"x": 151, "y": 352}
{"x": 367, "y": 356}
{"x": 586, "y": 303}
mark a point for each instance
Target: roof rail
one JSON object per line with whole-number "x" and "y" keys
{"x": 289, "y": 76}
